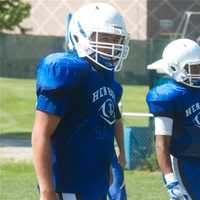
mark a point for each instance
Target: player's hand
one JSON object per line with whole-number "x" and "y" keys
{"x": 122, "y": 159}
{"x": 174, "y": 189}
{"x": 50, "y": 195}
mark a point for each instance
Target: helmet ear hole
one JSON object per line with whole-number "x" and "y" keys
{"x": 76, "y": 38}
{"x": 173, "y": 68}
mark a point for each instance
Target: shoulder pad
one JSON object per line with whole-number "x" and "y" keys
{"x": 60, "y": 70}
{"x": 165, "y": 92}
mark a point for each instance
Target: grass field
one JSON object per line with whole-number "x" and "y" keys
{"x": 16, "y": 105}
{"x": 17, "y": 179}
{"x": 18, "y": 182}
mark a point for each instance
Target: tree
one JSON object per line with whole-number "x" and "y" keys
{"x": 12, "y": 12}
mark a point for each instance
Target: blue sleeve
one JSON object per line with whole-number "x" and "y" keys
{"x": 57, "y": 80}
{"x": 54, "y": 104}
{"x": 159, "y": 108}
{"x": 118, "y": 113}
{"x": 119, "y": 92}
{"x": 162, "y": 101}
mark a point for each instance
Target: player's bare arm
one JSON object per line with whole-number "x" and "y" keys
{"x": 163, "y": 154}
{"x": 43, "y": 128}
{"x": 119, "y": 135}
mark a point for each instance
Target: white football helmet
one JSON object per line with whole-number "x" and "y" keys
{"x": 181, "y": 61}
{"x": 85, "y": 31}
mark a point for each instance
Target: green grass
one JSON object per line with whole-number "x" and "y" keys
{"x": 133, "y": 99}
{"x": 16, "y": 105}
{"x": 17, "y": 101}
{"x": 18, "y": 182}
{"x": 145, "y": 185}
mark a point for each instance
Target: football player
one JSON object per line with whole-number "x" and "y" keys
{"x": 77, "y": 107}
{"x": 176, "y": 108}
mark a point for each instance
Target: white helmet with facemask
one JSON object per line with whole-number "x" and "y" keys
{"x": 86, "y": 28}
{"x": 181, "y": 61}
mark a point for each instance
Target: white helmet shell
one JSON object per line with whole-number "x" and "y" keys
{"x": 176, "y": 56}
{"x": 97, "y": 18}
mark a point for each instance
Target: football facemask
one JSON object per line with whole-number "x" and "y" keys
{"x": 192, "y": 77}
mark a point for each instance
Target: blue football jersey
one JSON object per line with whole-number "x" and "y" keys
{"x": 87, "y": 102}
{"x": 182, "y": 104}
